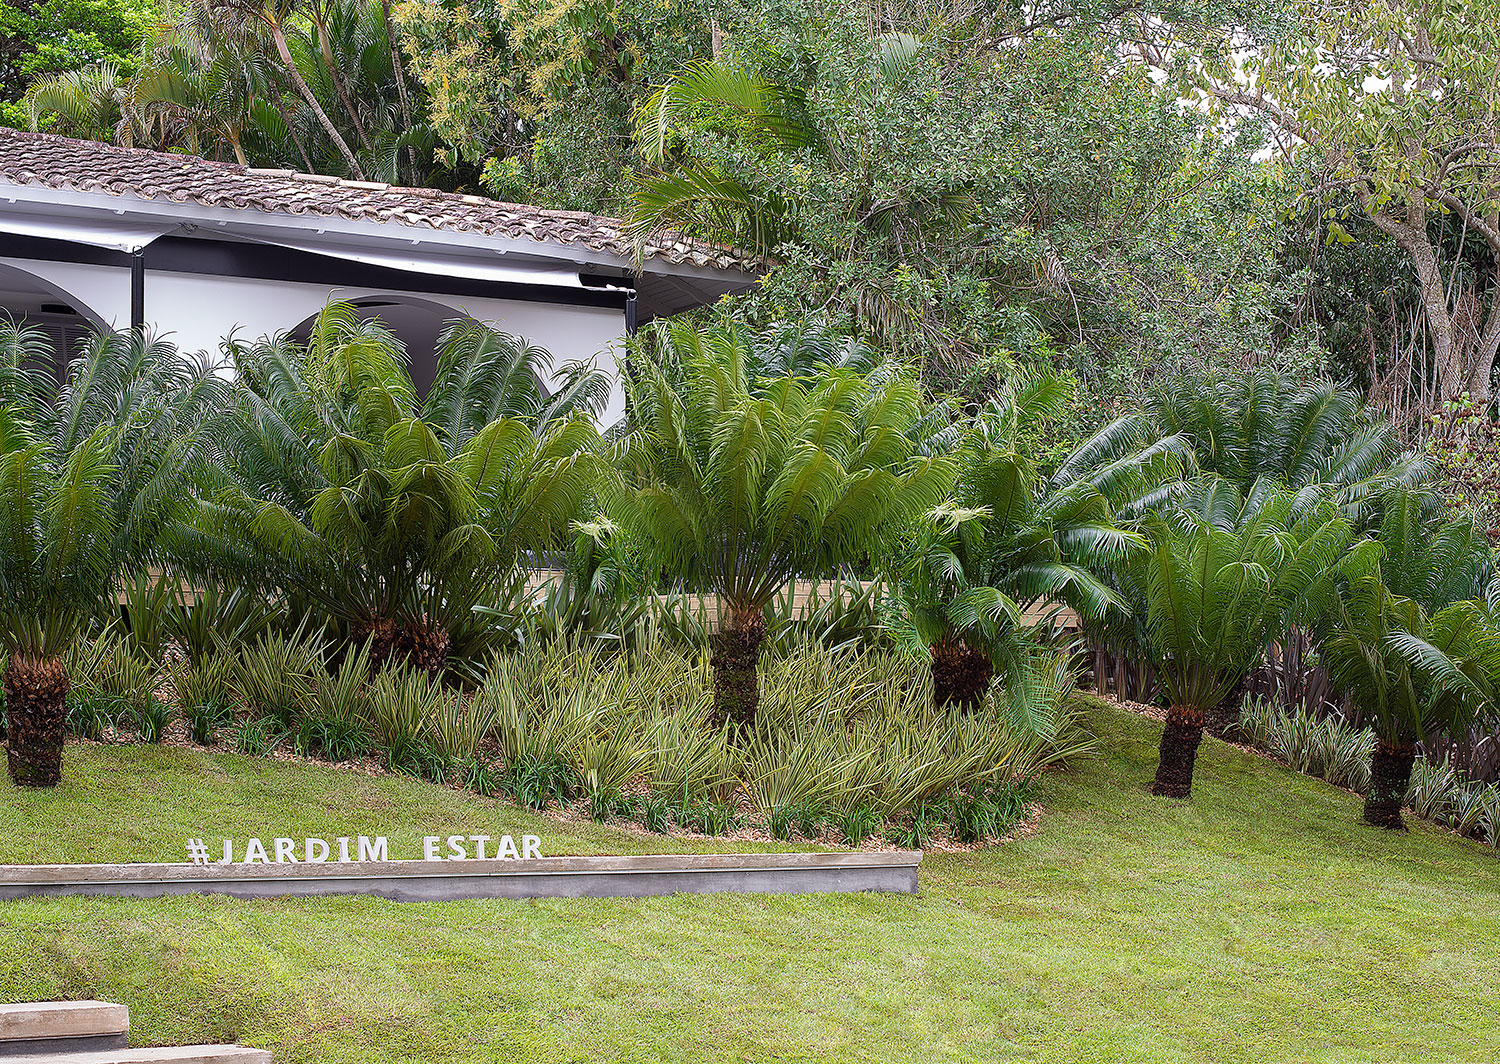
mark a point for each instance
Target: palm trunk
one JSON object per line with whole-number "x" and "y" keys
{"x": 736, "y": 657}
{"x": 1179, "y": 751}
{"x": 312, "y": 102}
{"x": 400, "y": 72}
{"x": 961, "y": 675}
{"x": 417, "y": 644}
{"x": 425, "y": 646}
{"x": 1390, "y": 774}
{"x": 36, "y": 712}
{"x": 339, "y": 87}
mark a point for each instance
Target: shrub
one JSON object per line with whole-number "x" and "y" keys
{"x": 537, "y": 782}
{"x": 779, "y": 821}
{"x": 914, "y": 829}
{"x": 275, "y": 674}
{"x": 604, "y": 803}
{"x": 109, "y": 668}
{"x": 656, "y": 813}
{"x": 857, "y": 823}
{"x": 337, "y": 738}
{"x": 152, "y": 718}
{"x": 201, "y": 689}
{"x": 479, "y": 776}
{"x": 461, "y": 724}
{"x": 845, "y": 736}
{"x": 91, "y": 714}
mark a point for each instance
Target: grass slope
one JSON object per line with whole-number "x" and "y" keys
{"x": 1257, "y": 922}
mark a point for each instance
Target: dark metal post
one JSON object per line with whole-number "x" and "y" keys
{"x": 138, "y": 289}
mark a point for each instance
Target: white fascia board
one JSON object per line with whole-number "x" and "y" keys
{"x": 263, "y": 226}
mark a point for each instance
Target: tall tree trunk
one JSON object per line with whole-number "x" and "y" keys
{"x": 291, "y": 129}
{"x": 339, "y": 88}
{"x": 312, "y": 102}
{"x": 735, "y": 661}
{"x": 961, "y": 675}
{"x": 1483, "y": 368}
{"x": 36, "y": 712}
{"x": 1390, "y": 774}
{"x": 1179, "y": 751}
{"x": 1411, "y": 236}
{"x": 399, "y": 68}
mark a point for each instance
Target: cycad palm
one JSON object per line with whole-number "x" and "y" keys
{"x": 91, "y": 471}
{"x": 1224, "y": 574}
{"x": 1412, "y": 644}
{"x": 1245, "y": 426}
{"x": 1010, "y": 539}
{"x": 396, "y": 519}
{"x": 736, "y": 486}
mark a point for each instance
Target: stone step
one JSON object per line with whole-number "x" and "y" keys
{"x": 40, "y": 1027}
{"x": 162, "y": 1055}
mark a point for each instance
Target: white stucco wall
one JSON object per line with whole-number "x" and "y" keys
{"x": 195, "y": 311}
{"x": 102, "y": 292}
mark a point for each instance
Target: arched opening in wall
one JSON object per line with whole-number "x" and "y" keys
{"x": 418, "y": 323}
{"x": 27, "y": 299}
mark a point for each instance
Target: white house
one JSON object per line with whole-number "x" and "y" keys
{"x": 97, "y": 235}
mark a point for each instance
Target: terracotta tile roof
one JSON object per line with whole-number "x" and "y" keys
{"x": 87, "y": 166}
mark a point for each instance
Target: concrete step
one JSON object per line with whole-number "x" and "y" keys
{"x": 40, "y": 1027}
{"x": 162, "y": 1055}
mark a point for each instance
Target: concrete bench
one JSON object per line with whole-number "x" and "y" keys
{"x": 52, "y": 1027}
{"x": 163, "y": 1055}
{"x": 95, "y": 1032}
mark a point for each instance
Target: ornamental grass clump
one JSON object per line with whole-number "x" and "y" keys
{"x": 403, "y": 705}
{"x": 1322, "y": 746}
{"x": 201, "y": 690}
{"x": 847, "y": 740}
{"x": 276, "y": 674}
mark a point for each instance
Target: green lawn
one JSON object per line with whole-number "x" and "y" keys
{"x": 1259, "y": 922}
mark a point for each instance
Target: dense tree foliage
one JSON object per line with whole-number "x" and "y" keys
{"x": 1389, "y": 108}
{"x": 50, "y": 37}
{"x": 962, "y": 200}
{"x": 313, "y": 87}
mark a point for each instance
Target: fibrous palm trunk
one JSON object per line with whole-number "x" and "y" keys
{"x": 1179, "y": 751}
{"x": 36, "y": 712}
{"x": 1390, "y": 774}
{"x": 417, "y": 644}
{"x": 735, "y": 661}
{"x": 961, "y": 674}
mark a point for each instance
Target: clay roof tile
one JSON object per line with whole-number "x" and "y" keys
{"x": 60, "y": 162}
